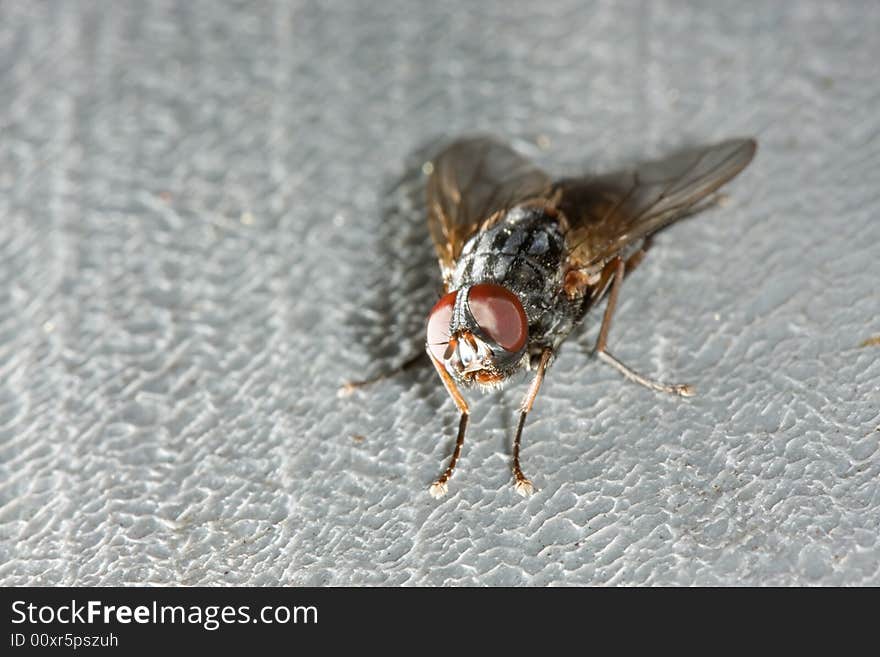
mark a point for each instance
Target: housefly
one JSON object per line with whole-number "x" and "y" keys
{"x": 524, "y": 257}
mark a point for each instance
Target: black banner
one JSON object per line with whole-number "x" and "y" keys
{"x": 127, "y": 620}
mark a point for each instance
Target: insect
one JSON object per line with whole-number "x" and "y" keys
{"x": 524, "y": 257}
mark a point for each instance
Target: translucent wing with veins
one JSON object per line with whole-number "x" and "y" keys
{"x": 471, "y": 181}
{"x": 607, "y": 213}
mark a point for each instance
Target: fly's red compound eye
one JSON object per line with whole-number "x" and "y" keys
{"x": 438, "y": 325}
{"x": 500, "y": 315}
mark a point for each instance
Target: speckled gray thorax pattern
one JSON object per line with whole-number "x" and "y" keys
{"x": 524, "y": 252}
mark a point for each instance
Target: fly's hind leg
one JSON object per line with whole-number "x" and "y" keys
{"x": 602, "y": 352}
{"x": 636, "y": 258}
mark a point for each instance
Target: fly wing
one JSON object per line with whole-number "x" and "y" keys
{"x": 472, "y": 180}
{"x": 607, "y": 213}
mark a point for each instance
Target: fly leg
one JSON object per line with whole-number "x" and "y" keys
{"x": 682, "y": 389}
{"x": 439, "y": 488}
{"x": 522, "y": 484}
{"x": 350, "y": 386}
{"x": 636, "y": 258}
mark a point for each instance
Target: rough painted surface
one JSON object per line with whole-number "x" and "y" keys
{"x": 195, "y": 253}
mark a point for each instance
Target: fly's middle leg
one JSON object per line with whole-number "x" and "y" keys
{"x": 601, "y": 350}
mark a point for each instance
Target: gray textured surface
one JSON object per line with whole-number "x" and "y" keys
{"x": 190, "y": 258}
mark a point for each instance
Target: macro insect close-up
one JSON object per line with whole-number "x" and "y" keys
{"x": 419, "y": 294}
{"x": 524, "y": 257}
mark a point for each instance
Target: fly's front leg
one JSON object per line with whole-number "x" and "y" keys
{"x": 439, "y": 488}
{"x": 681, "y": 389}
{"x": 522, "y": 483}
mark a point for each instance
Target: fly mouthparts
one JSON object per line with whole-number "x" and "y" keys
{"x": 473, "y": 354}
{"x": 474, "y": 366}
